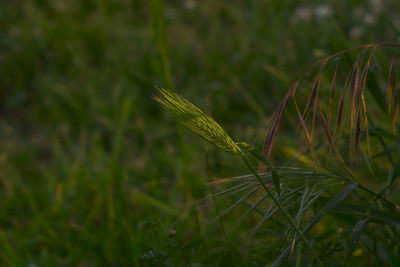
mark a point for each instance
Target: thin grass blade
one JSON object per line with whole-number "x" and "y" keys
{"x": 331, "y": 204}
{"x": 357, "y": 230}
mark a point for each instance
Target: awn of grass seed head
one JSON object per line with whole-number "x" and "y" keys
{"x": 196, "y": 120}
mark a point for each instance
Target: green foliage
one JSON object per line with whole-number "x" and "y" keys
{"x": 166, "y": 246}
{"x": 160, "y": 38}
{"x": 88, "y": 161}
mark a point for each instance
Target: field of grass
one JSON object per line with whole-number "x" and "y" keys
{"x": 93, "y": 171}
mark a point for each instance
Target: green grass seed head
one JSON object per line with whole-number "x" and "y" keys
{"x": 196, "y": 120}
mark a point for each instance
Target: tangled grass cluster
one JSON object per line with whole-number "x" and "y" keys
{"x": 339, "y": 132}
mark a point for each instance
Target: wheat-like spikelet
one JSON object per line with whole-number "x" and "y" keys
{"x": 196, "y": 120}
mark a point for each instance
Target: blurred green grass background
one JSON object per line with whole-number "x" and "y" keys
{"x": 92, "y": 171}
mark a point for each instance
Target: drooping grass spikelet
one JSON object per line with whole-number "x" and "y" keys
{"x": 332, "y": 94}
{"x": 389, "y": 92}
{"x": 306, "y": 133}
{"x": 395, "y": 106}
{"x": 351, "y": 101}
{"x": 273, "y": 129}
{"x": 339, "y": 118}
{"x": 354, "y": 88}
{"x": 333, "y": 86}
{"x": 196, "y": 120}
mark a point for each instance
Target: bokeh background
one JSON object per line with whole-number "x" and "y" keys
{"x": 93, "y": 172}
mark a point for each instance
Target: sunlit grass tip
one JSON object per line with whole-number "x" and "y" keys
{"x": 196, "y": 120}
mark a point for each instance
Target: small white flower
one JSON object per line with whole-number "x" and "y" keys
{"x": 323, "y": 11}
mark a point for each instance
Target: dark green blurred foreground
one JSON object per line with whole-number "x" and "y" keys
{"x": 94, "y": 173}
